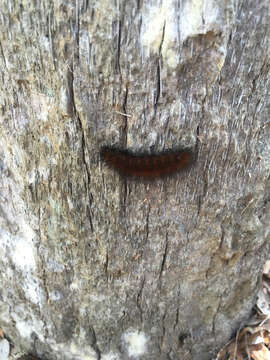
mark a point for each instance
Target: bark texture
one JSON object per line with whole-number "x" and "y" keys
{"x": 97, "y": 267}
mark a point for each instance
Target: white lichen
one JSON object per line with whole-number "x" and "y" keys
{"x": 135, "y": 342}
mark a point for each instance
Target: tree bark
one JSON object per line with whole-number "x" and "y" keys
{"x": 100, "y": 267}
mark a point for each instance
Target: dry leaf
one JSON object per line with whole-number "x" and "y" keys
{"x": 262, "y": 354}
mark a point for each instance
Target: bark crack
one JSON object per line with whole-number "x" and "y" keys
{"x": 147, "y": 225}
{"x": 214, "y": 318}
{"x": 139, "y": 299}
{"x": 118, "y": 66}
{"x": 83, "y": 142}
{"x": 158, "y": 86}
{"x": 165, "y": 252}
{"x": 176, "y": 319}
{"x": 123, "y": 140}
{"x": 106, "y": 266}
{"x": 94, "y": 343}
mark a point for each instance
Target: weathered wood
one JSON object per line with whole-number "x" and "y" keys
{"x": 96, "y": 267}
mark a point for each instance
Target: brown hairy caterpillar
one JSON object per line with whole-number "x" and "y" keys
{"x": 147, "y": 166}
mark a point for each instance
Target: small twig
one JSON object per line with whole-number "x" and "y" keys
{"x": 120, "y": 113}
{"x": 235, "y": 347}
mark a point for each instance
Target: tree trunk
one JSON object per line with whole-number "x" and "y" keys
{"x": 97, "y": 266}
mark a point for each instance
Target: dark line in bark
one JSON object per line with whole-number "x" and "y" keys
{"x": 90, "y": 198}
{"x": 158, "y": 67}
{"x": 118, "y": 66}
{"x": 165, "y": 253}
{"x": 139, "y": 298}
{"x": 158, "y": 85}
{"x": 123, "y": 141}
{"x": 106, "y": 265}
{"x": 147, "y": 225}
{"x": 94, "y": 343}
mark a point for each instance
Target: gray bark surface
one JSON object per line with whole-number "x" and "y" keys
{"x": 97, "y": 267}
